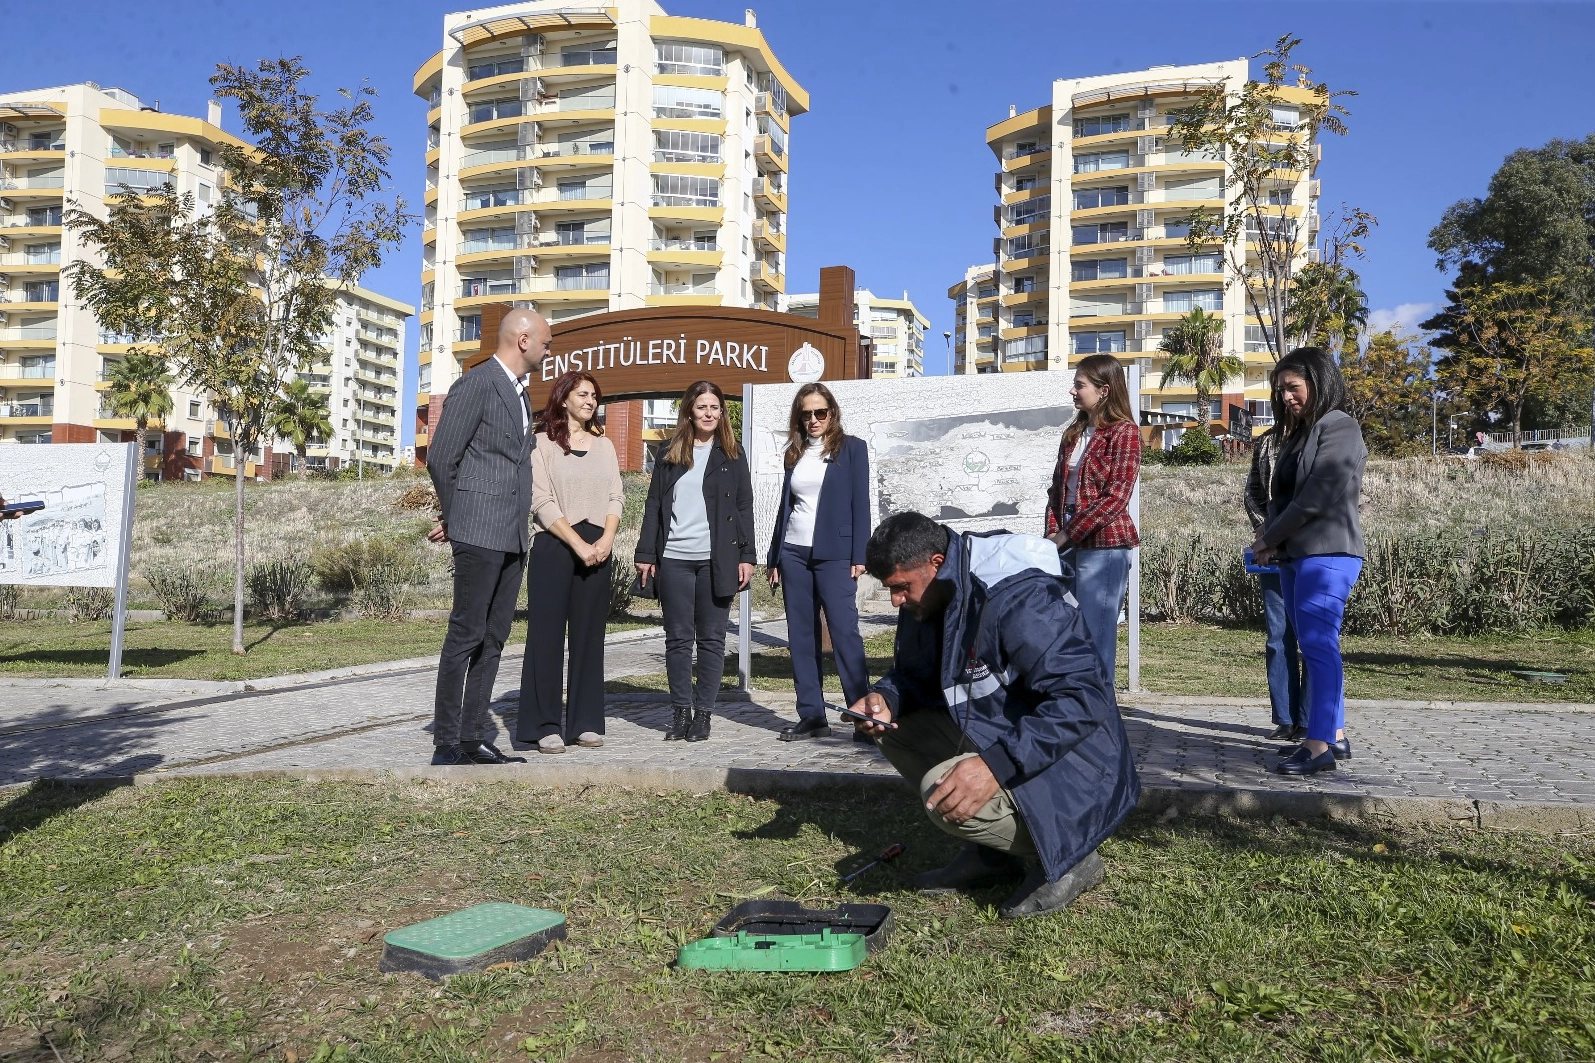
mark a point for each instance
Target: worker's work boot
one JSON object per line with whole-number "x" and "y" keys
{"x": 974, "y": 866}
{"x": 1037, "y": 896}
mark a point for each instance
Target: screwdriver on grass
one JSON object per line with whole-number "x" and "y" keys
{"x": 888, "y": 854}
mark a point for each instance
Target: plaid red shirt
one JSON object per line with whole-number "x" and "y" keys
{"x": 1108, "y": 473}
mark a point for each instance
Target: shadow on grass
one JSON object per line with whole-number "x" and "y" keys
{"x": 29, "y": 807}
{"x": 148, "y": 657}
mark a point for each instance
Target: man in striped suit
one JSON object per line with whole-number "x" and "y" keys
{"x": 480, "y": 463}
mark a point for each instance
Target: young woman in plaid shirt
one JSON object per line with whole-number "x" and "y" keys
{"x": 1088, "y": 507}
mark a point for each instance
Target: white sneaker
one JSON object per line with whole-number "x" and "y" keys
{"x": 551, "y": 744}
{"x": 590, "y": 739}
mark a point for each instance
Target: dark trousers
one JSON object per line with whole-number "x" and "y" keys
{"x": 1280, "y": 656}
{"x": 809, "y": 585}
{"x": 693, "y": 615}
{"x": 570, "y": 595}
{"x": 485, "y": 585}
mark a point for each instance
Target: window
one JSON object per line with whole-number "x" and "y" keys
{"x": 1025, "y": 347}
{"x": 1204, "y": 263}
{"x": 587, "y": 142}
{"x": 599, "y": 97}
{"x": 1284, "y": 116}
{"x": 44, "y": 215}
{"x": 489, "y": 110}
{"x": 1024, "y": 318}
{"x": 1102, "y": 160}
{"x": 593, "y": 276}
{"x": 1025, "y": 147}
{"x": 41, "y": 292}
{"x": 139, "y": 181}
{"x": 582, "y": 232}
{"x": 592, "y": 54}
{"x": 1210, "y": 186}
{"x": 470, "y": 329}
{"x": 193, "y": 446}
{"x": 502, "y": 239}
{"x": 1176, "y": 229}
{"x": 482, "y": 198}
{"x": 33, "y": 437}
{"x": 492, "y": 68}
{"x": 1113, "y": 196}
{"x": 674, "y": 101}
{"x": 1029, "y": 245}
{"x": 697, "y": 59}
{"x": 673, "y": 145}
{"x": 1024, "y": 184}
{"x": 42, "y": 254}
{"x": 587, "y": 188}
{"x": 194, "y": 408}
{"x": 1096, "y": 269}
{"x": 769, "y": 127}
{"x": 1098, "y": 342}
{"x": 1030, "y": 210}
{"x": 1279, "y": 197}
{"x": 205, "y": 157}
{"x": 1203, "y": 298}
{"x": 680, "y": 190}
{"x": 1024, "y": 284}
{"x": 1112, "y": 232}
{"x": 1107, "y": 123}
{"x": 1097, "y": 306}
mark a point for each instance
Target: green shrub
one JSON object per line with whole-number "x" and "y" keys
{"x": 377, "y": 571}
{"x": 183, "y": 591}
{"x": 89, "y": 603}
{"x": 277, "y": 588}
{"x": 1195, "y": 447}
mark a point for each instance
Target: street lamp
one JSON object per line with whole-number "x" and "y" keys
{"x": 947, "y": 337}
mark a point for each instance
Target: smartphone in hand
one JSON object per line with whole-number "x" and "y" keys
{"x": 19, "y": 508}
{"x": 859, "y": 716}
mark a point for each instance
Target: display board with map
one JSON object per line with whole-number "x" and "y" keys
{"x": 974, "y": 452}
{"x": 77, "y": 539}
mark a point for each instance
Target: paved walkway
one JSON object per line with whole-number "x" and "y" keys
{"x": 1515, "y": 765}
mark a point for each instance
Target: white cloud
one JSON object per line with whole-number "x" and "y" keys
{"x": 1407, "y": 315}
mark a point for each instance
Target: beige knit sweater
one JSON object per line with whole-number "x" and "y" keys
{"x": 575, "y": 486}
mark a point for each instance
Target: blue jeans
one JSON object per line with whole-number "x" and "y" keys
{"x": 1100, "y": 580}
{"x": 1284, "y": 664}
{"x": 1316, "y": 589}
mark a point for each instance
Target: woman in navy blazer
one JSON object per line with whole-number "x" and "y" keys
{"x": 817, "y": 552}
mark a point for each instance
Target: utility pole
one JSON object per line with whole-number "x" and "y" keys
{"x": 1434, "y": 422}
{"x": 947, "y": 337}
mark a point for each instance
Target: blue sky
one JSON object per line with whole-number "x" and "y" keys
{"x": 890, "y": 173}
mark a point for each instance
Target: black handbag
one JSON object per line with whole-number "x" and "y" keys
{"x": 649, "y": 590}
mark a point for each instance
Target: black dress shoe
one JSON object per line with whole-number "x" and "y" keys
{"x": 1302, "y": 762}
{"x": 450, "y": 755}
{"x": 1341, "y": 749}
{"x": 487, "y": 753}
{"x": 680, "y": 721}
{"x": 699, "y": 731}
{"x": 814, "y": 728}
{"x": 1282, "y": 733}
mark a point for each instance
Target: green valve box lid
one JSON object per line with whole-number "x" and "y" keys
{"x": 825, "y": 951}
{"x": 471, "y": 940}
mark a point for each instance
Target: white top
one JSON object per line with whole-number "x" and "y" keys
{"x": 689, "y": 519}
{"x": 808, "y": 476}
{"x": 1076, "y": 456}
{"x": 520, "y": 390}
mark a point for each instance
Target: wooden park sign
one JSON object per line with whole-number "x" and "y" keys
{"x": 657, "y": 351}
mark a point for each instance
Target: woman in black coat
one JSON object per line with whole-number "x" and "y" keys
{"x": 696, "y": 547}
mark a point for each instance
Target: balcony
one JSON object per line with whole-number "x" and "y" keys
{"x": 767, "y": 103}
{"x": 769, "y": 153}
{"x": 657, "y": 288}
{"x": 667, "y": 200}
{"x": 28, "y": 372}
{"x": 11, "y": 145}
{"x": 576, "y": 148}
{"x": 24, "y": 333}
{"x": 766, "y": 276}
{"x": 35, "y": 408}
{"x": 683, "y": 245}
{"x": 767, "y": 233}
{"x": 15, "y": 184}
{"x": 770, "y": 193}
{"x": 31, "y": 258}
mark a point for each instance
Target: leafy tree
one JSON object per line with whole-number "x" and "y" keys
{"x": 1327, "y": 307}
{"x": 1262, "y": 232}
{"x": 141, "y": 388}
{"x": 239, "y": 297}
{"x": 1537, "y": 220}
{"x": 1195, "y": 358}
{"x": 1511, "y": 343}
{"x": 299, "y": 416}
{"x": 1391, "y": 391}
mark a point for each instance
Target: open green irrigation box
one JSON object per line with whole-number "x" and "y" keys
{"x": 786, "y": 936}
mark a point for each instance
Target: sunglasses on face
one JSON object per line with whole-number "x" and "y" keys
{"x": 815, "y": 415}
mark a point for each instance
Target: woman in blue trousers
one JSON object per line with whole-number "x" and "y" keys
{"x": 1314, "y": 533}
{"x": 817, "y": 553}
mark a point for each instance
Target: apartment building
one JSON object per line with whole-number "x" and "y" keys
{"x": 583, "y": 159}
{"x": 975, "y": 300}
{"x": 894, "y": 327}
{"x": 80, "y": 144}
{"x": 362, "y": 378}
{"x": 1092, "y": 257}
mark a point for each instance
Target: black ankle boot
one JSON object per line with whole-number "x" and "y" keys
{"x": 699, "y": 731}
{"x": 679, "y": 720}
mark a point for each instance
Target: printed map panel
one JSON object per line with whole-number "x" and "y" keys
{"x": 75, "y": 540}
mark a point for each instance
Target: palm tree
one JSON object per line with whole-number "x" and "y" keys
{"x": 1195, "y": 350}
{"x": 141, "y": 388}
{"x": 299, "y": 416}
{"x": 1327, "y": 307}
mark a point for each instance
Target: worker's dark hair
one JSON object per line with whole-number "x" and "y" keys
{"x": 904, "y": 540}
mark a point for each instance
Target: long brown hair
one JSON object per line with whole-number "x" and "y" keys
{"x": 797, "y": 436}
{"x": 1104, "y": 371}
{"x": 556, "y": 420}
{"x": 1326, "y": 390}
{"x": 679, "y": 452}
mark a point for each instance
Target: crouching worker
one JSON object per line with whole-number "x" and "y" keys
{"x": 997, "y": 707}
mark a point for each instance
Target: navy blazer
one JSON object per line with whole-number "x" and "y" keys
{"x": 841, "y": 521}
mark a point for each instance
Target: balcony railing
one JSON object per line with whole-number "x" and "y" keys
{"x": 664, "y": 200}
{"x": 578, "y": 147}
{"x": 28, "y": 372}
{"x": 503, "y": 197}
{"x": 683, "y": 245}
{"x": 768, "y": 145}
{"x": 27, "y": 409}
{"x": 28, "y": 332}
{"x": 31, "y": 258}
{"x": 657, "y": 288}
{"x": 8, "y": 184}
{"x": 490, "y": 156}
{"x": 10, "y": 144}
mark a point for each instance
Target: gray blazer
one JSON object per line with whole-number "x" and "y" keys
{"x": 1321, "y": 517}
{"x": 480, "y": 461}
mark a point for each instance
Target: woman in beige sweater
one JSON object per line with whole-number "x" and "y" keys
{"x": 577, "y": 497}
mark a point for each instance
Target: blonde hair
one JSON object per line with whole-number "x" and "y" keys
{"x": 679, "y": 452}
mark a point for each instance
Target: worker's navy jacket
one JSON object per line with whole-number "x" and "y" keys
{"x": 1020, "y": 677}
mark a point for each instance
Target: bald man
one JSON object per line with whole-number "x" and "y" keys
{"x": 480, "y": 463}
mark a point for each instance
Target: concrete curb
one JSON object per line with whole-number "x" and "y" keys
{"x": 775, "y": 783}
{"x": 1143, "y": 699}
{"x": 158, "y": 686}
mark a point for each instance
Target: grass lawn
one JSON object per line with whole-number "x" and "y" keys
{"x": 205, "y": 651}
{"x": 1228, "y": 662}
{"x": 243, "y": 921}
